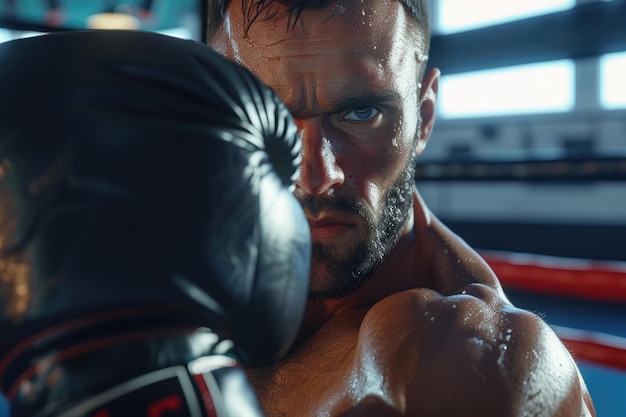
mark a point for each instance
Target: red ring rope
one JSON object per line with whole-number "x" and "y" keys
{"x": 588, "y": 279}
{"x": 567, "y": 277}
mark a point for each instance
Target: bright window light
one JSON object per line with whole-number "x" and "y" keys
{"x": 5, "y": 35}
{"x": 537, "y": 88}
{"x": 461, "y": 15}
{"x": 179, "y": 32}
{"x": 612, "y": 81}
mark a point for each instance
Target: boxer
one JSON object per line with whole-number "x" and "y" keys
{"x": 404, "y": 318}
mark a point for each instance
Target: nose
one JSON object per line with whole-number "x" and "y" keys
{"x": 320, "y": 172}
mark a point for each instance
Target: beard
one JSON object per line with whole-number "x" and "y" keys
{"x": 338, "y": 272}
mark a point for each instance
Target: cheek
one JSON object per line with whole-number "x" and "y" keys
{"x": 393, "y": 157}
{"x": 373, "y": 175}
{"x": 375, "y": 195}
{"x": 403, "y": 134}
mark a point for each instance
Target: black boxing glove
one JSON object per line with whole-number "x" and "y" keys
{"x": 146, "y": 197}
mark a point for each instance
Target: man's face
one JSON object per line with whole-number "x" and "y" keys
{"x": 348, "y": 73}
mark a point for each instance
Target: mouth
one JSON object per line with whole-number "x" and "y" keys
{"x": 329, "y": 228}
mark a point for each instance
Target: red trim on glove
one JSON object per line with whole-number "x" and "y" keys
{"x": 97, "y": 344}
{"x": 72, "y": 325}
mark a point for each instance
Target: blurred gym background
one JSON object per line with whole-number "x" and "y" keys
{"x": 527, "y": 161}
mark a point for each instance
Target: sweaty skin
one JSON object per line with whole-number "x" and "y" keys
{"x": 431, "y": 333}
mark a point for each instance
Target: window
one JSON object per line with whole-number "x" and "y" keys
{"x": 460, "y": 15}
{"x": 5, "y": 35}
{"x": 537, "y": 88}
{"x": 612, "y": 81}
{"x": 8, "y": 35}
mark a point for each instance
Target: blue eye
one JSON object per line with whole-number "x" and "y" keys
{"x": 361, "y": 114}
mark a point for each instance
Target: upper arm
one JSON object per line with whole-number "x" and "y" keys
{"x": 467, "y": 352}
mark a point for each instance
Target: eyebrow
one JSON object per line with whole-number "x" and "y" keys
{"x": 362, "y": 100}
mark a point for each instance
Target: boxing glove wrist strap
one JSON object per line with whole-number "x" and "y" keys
{"x": 202, "y": 388}
{"x": 188, "y": 374}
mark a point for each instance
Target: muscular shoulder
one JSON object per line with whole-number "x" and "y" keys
{"x": 470, "y": 352}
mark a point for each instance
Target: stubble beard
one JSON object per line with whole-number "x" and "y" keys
{"x": 339, "y": 272}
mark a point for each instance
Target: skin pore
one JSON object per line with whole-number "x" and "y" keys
{"x": 404, "y": 318}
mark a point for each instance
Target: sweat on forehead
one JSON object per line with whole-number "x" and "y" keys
{"x": 256, "y": 10}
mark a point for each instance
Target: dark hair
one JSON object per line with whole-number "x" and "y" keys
{"x": 262, "y": 9}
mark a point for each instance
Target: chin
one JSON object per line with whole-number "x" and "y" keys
{"x": 321, "y": 284}
{"x": 325, "y": 285}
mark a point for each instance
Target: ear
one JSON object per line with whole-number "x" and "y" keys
{"x": 428, "y": 101}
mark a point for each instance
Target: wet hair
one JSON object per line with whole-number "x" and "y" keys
{"x": 265, "y": 9}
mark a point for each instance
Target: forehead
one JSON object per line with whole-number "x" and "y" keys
{"x": 357, "y": 23}
{"x": 372, "y": 41}
{"x": 353, "y": 27}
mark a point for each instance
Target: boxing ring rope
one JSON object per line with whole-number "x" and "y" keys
{"x": 601, "y": 281}
{"x": 599, "y": 348}
{"x": 568, "y": 277}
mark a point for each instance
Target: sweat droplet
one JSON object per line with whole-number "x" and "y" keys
{"x": 503, "y": 348}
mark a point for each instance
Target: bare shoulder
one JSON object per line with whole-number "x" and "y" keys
{"x": 470, "y": 352}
